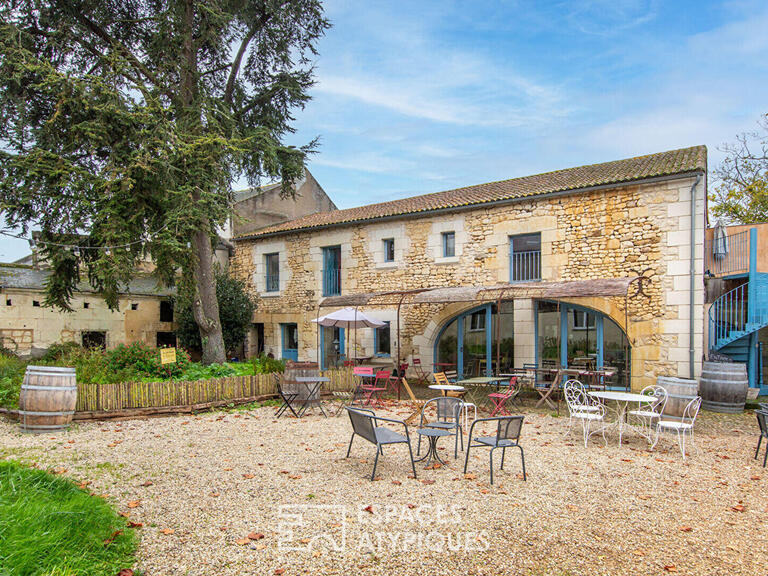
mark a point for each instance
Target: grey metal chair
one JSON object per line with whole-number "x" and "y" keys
{"x": 508, "y": 429}
{"x": 762, "y": 422}
{"x": 448, "y": 418}
{"x": 365, "y": 424}
{"x": 287, "y": 397}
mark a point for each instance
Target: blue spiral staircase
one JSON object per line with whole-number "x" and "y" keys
{"x": 736, "y": 317}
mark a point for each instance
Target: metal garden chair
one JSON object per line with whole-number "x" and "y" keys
{"x": 681, "y": 427}
{"x": 650, "y": 413}
{"x": 448, "y": 418}
{"x": 762, "y": 422}
{"x": 365, "y": 424}
{"x": 287, "y": 397}
{"x": 583, "y": 408}
{"x": 508, "y": 429}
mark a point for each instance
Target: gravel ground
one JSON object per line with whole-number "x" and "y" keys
{"x": 201, "y": 485}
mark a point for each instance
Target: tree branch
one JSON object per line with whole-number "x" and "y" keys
{"x": 132, "y": 59}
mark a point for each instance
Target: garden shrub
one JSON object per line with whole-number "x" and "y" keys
{"x": 265, "y": 365}
{"x": 11, "y": 374}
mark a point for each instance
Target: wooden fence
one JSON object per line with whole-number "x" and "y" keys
{"x": 137, "y": 395}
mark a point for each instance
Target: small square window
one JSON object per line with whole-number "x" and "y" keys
{"x": 36, "y": 303}
{"x": 86, "y": 305}
{"x": 389, "y": 249}
{"x": 134, "y": 306}
{"x": 8, "y": 302}
{"x": 449, "y": 244}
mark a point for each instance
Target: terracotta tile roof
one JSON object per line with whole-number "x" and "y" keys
{"x": 620, "y": 171}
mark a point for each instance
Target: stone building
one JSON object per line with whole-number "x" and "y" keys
{"x": 599, "y": 265}
{"x": 28, "y": 327}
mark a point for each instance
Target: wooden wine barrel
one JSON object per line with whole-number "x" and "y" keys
{"x": 294, "y": 369}
{"x": 724, "y": 386}
{"x": 47, "y": 399}
{"x": 680, "y": 391}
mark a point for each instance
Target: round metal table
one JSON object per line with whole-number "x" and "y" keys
{"x": 621, "y": 400}
{"x": 445, "y": 388}
{"x": 432, "y": 434}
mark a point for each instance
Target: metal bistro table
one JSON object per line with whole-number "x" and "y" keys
{"x": 621, "y": 401}
{"x": 432, "y": 434}
{"x": 313, "y": 398}
{"x": 445, "y": 388}
{"x": 480, "y": 384}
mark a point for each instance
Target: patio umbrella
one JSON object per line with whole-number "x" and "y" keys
{"x": 348, "y": 318}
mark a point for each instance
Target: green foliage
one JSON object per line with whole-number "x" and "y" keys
{"x": 265, "y": 365}
{"x": 741, "y": 194}
{"x": 11, "y": 375}
{"x": 236, "y": 308}
{"x": 200, "y": 372}
{"x": 60, "y": 350}
{"x": 50, "y": 526}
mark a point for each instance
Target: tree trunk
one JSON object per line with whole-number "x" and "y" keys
{"x": 205, "y": 306}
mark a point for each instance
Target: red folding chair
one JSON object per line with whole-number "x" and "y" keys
{"x": 500, "y": 399}
{"x": 419, "y": 369}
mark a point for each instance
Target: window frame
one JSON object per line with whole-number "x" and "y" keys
{"x": 272, "y": 282}
{"x": 445, "y": 236}
{"x": 389, "y": 249}
{"x": 533, "y": 264}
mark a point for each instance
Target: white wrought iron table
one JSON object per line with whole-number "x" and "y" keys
{"x": 621, "y": 401}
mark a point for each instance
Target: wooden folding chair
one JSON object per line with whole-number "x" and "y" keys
{"x": 418, "y": 403}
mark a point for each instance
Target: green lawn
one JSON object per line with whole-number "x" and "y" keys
{"x": 50, "y": 527}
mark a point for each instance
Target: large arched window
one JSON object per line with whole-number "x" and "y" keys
{"x": 471, "y": 342}
{"x": 577, "y": 337}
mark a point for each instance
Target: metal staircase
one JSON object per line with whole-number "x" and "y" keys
{"x": 735, "y": 318}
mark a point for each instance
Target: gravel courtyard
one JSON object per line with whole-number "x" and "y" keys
{"x": 230, "y": 493}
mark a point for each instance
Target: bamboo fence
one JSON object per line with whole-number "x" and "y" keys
{"x": 137, "y": 395}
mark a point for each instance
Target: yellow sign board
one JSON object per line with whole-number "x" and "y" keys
{"x": 167, "y": 355}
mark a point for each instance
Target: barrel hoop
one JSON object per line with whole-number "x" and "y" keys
{"x": 35, "y": 387}
{"x": 683, "y": 396}
{"x": 44, "y": 426}
{"x": 29, "y": 413}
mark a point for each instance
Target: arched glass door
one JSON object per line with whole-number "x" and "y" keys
{"x": 471, "y": 342}
{"x": 577, "y": 337}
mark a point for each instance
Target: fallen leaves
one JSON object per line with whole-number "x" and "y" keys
{"x": 242, "y": 541}
{"x": 249, "y": 476}
{"x": 685, "y": 529}
{"x": 167, "y": 531}
{"x": 134, "y": 504}
{"x": 132, "y": 524}
{"x": 670, "y": 568}
{"x": 146, "y": 484}
{"x": 396, "y": 482}
{"x": 255, "y": 536}
{"x": 111, "y": 539}
{"x": 470, "y": 476}
{"x": 739, "y": 508}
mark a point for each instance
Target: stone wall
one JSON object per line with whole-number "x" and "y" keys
{"x": 634, "y": 230}
{"x": 26, "y": 327}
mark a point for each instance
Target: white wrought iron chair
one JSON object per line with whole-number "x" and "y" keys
{"x": 649, "y": 413}
{"x": 585, "y": 409}
{"x": 682, "y": 426}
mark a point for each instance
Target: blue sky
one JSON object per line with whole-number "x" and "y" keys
{"x": 420, "y": 96}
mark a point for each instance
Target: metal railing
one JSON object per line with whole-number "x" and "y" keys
{"x": 525, "y": 266}
{"x": 331, "y": 282}
{"x": 728, "y": 255}
{"x": 728, "y": 314}
{"x": 273, "y": 283}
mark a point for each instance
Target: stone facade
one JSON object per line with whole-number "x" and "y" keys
{"x": 641, "y": 229}
{"x": 27, "y": 327}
